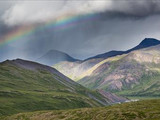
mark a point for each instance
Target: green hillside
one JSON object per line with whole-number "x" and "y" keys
{"x": 141, "y": 110}
{"x": 28, "y": 86}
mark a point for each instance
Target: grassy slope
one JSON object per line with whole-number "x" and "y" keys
{"x": 23, "y": 90}
{"x": 146, "y": 109}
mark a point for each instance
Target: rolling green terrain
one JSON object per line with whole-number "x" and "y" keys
{"x": 28, "y": 86}
{"x": 141, "y": 110}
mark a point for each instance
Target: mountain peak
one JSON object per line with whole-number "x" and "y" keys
{"x": 55, "y": 52}
{"x": 54, "y": 56}
{"x": 149, "y": 42}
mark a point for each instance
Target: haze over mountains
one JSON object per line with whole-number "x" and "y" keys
{"x": 54, "y": 56}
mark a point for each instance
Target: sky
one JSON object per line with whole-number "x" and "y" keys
{"x": 82, "y": 28}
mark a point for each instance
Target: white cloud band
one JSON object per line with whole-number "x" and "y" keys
{"x": 22, "y": 12}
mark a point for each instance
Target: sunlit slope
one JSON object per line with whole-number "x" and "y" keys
{"x": 136, "y": 73}
{"x": 29, "y": 86}
{"x": 148, "y": 110}
{"x": 74, "y": 70}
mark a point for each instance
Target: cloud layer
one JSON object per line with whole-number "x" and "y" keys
{"x": 36, "y": 11}
{"x": 22, "y": 12}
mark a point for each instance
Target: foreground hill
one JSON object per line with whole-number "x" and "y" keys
{"x": 54, "y": 56}
{"x": 135, "y": 73}
{"x": 77, "y": 69}
{"x": 141, "y": 110}
{"x": 29, "y": 86}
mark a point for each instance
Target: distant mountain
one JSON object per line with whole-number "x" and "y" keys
{"x": 77, "y": 70}
{"x": 147, "y": 42}
{"x": 134, "y": 74}
{"x": 107, "y": 55}
{"x": 29, "y": 86}
{"x": 54, "y": 56}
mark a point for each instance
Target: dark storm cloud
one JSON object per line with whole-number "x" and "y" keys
{"x": 134, "y": 9}
{"x": 119, "y": 27}
{"x": 93, "y": 37}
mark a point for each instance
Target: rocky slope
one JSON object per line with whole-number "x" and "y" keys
{"x": 135, "y": 73}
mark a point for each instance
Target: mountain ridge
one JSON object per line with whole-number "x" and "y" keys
{"x": 147, "y": 42}
{"x": 78, "y": 69}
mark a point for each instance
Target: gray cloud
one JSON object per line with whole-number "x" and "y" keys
{"x": 22, "y": 12}
{"x": 119, "y": 27}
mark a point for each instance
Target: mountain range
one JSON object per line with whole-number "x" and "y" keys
{"x": 54, "y": 56}
{"x": 134, "y": 72}
{"x": 147, "y": 42}
{"x": 102, "y": 80}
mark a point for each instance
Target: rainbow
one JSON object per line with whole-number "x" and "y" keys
{"x": 58, "y": 24}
